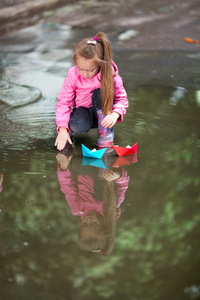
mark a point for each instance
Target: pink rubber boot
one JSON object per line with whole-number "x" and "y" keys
{"x": 106, "y": 135}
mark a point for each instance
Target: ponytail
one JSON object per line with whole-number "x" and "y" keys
{"x": 107, "y": 87}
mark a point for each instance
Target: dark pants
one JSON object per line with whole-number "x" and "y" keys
{"x": 82, "y": 119}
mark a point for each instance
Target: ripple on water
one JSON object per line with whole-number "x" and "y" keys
{"x": 34, "y": 114}
{"x": 14, "y": 94}
{"x": 27, "y": 124}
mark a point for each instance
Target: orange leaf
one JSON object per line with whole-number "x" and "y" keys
{"x": 189, "y": 40}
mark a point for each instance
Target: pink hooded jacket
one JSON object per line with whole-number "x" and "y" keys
{"x": 77, "y": 91}
{"x": 79, "y": 192}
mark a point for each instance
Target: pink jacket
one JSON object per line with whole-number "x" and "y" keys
{"x": 79, "y": 191}
{"x": 77, "y": 91}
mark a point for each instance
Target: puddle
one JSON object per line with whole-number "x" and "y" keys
{"x": 148, "y": 204}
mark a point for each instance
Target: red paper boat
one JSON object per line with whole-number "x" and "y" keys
{"x": 124, "y": 161}
{"x": 121, "y": 151}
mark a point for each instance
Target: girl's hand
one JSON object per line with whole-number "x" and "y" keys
{"x": 62, "y": 138}
{"x": 110, "y": 120}
{"x": 63, "y": 161}
{"x": 110, "y": 175}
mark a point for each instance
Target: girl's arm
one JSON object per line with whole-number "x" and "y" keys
{"x": 120, "y": 99}
{"x": 63, "y": 110}
{"x": 66, "y": 98}
{"x": 69, "y": 188}
{"x": 122, "y": 186}
{"x": 1, "y": 181}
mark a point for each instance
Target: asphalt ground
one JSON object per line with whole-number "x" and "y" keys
{"x": 151, "y": 36}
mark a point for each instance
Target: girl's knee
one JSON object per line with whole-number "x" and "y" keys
{"x": 79, "y": 127}
{"x": 96, "y": 99}
{"x": 80, "y": 120}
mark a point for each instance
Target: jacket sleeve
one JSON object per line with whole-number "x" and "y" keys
{"x": 69, "y": 188}
{"x": 120, "y": 98}
{"x": 121, "y": 187}
{"x": 65, "y": 102}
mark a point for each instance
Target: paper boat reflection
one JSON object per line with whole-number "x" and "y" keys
{"x": 94, "y": 162}
{"x": 122, "y": 151}
{"x": 124, "y": 161}
{"x": 93, "y": 153}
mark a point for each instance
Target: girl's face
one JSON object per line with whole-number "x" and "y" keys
{"x": 92, "y": 224}
{"x": 88, "y": 68}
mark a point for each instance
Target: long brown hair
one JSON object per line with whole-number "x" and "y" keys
{"x": 109, "y": 210}
{"x": 102, "y": 53}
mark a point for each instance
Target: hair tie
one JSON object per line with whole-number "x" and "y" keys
{"x": 91, "y": 42}
{"x": 99, "y": 41}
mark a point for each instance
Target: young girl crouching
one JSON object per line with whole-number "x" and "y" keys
{"x": 92, "y": 95}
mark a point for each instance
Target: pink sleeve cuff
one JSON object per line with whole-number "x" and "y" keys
{"x": 120, "y": 115}
{"x": 64, "y": 124}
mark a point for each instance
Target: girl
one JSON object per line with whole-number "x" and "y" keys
{"x": 92, "y": 94}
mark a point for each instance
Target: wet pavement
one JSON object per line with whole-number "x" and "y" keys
{"x": 154, "y": 217}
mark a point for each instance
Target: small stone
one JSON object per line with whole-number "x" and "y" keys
{"x": 127, "y": 34}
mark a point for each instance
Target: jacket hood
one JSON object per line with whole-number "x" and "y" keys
{"x": 115, "y": 68}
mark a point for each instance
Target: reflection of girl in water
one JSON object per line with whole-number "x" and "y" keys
{"x": 98, "y": 211}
